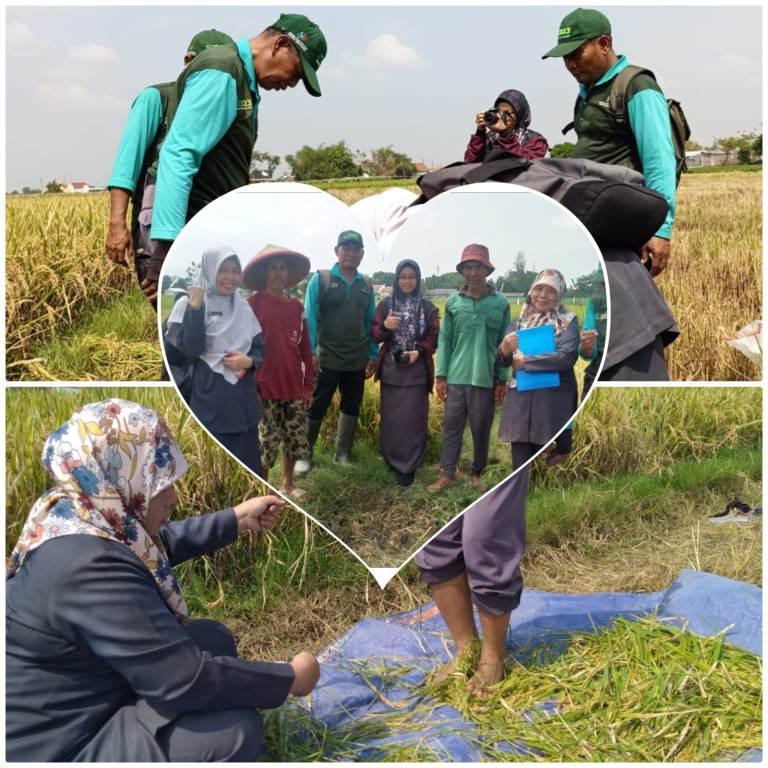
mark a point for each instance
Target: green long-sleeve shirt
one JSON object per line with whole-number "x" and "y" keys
{"x": 469, "y": 335}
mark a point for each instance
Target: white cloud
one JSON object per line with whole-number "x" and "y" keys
{"x": 22, "y": 41}
{"x": 387, "y": 49}
{"x": 78, "y": 96}
{"x": 92, "y": 52}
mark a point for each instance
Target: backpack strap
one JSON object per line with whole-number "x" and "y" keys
{"x": 325, "y": 281}
{"x": 617, "y": 99}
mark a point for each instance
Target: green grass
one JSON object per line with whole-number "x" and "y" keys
{"x": 749, "y": 167}
{"x": 115, "y": 341}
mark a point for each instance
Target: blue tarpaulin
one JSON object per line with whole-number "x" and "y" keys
{"x": 376, "y": 667}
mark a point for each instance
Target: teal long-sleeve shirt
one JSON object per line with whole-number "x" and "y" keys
{"x": 312, "y": 310}
{"x": 207, "y": 109}
{"x": 649, "y": 120}
{"x": 143, "y": 123}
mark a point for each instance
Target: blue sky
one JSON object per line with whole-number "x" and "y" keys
{"x": 410, "y": 77}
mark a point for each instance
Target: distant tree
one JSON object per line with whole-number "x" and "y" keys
{"x": 53, "y": 186}
{"x": 757, "y": 147}
{"x": 384, "y": 161}
{"x": 335, "y": 161}
{"x": 520, "y": 261}
{"x": 263, "y": 161}
{"x": 384, "y": 278}
{"x": 15, "y": 192}
{"x": 167, "y": 282}
{"x": 562, "y": 150}
{"x": 692, "y": 146}
{"x": 26, "y": 190}
{"x": 192, "y": 271}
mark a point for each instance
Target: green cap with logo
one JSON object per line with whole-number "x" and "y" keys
{"x": 349, "y": 236}
{"x": 310, "y": 43}
{"x": 576, "y": 28}
{"x": 208, "y": 38}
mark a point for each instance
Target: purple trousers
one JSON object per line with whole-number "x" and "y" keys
{"x": 488, "y": 542}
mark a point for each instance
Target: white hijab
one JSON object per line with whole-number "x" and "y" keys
{"x": 230, "y": 323}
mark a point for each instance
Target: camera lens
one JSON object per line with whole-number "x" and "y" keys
{"x": 491, "y": 116}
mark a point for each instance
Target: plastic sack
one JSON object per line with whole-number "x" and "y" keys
{"x": 748, "y": 341}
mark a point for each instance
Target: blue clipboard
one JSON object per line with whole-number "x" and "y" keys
{"x": 537, "y": 341}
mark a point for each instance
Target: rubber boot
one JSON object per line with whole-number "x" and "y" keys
{"x": 344, "y": 435}
{"x": 303, "y": 466}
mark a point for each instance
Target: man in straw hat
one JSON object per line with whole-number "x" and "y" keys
{"x": 135, "y": 168}
{"x": 476, "y": 318}
{"x": 340, "y": 307}
{"x": 285, "y": 379}
{"x": 213, "y": 128}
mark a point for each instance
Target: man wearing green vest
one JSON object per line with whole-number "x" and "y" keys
{"x": 586, "y": 46}
{"x": 214, "y": 122}
{"x": 339, "y": 305}
{"x": 135, "y": 168}
{"x": 641, "y": 322}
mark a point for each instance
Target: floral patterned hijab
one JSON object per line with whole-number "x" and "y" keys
{"x": 558, "y": 316}
{"x": 107, "y": 462}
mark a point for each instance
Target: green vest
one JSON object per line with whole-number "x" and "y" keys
{"x": 227, "y": 165}
{"x": 167, "y": 93}
{"x": 342, "y": 335}
{"x": 599, "y": 137}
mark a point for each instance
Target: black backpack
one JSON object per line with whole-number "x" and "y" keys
{"x": 610, "y": 200}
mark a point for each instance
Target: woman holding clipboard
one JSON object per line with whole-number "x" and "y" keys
{"x": 542, "y": 346}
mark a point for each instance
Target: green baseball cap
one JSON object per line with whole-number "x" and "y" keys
{"x": 310, "y": 43}
{"x": 208, "y": 38}
{"x": 576, "y": 28}
{"x": 350, "y": 236}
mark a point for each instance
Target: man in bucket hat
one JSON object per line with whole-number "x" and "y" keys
{"x": 285, "y": 379}
{"x": 213, "y": 128}
{"x": 340, "y": 307}
{"x": 135, "y": 168}
{"x": 642, "y": 140}
{"x": 467, "y": 375}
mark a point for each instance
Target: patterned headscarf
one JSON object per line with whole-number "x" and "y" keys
{"x": 107, "y": 462}
{"x": 410, "y": 307}
{"x": 558, "y": 316}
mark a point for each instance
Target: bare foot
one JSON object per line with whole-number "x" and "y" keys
{"x": 478, "y": 483}
{"x": 444, "y": 672}
{"x": 488, "y": 674}
{"x": 440, "y": 484}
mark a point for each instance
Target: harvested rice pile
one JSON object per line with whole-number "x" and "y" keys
{"x": 639, "y": 691}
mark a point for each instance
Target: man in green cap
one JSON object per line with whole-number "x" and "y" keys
{"x": 585, "y": 44}
{"x": 136, "y": 163}
{"x": 339, "y": 305}
{"x": 214, "y": 122}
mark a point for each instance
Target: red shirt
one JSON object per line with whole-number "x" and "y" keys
{"x": 286, "y": 342}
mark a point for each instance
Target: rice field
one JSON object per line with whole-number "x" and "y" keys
{"x": 58, "y": 280}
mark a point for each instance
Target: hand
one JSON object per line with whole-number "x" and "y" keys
{"x": 392, "y": 321}
{"x": 518, "y": 360}
{"x": 441, "y": 385}
{"x": 657, "y": 248}
{"x": 119, "y": 243}
{"x": 316, "y": 364}
{"x": 307, "y": 400}
{"x": 413, "y": 356}
{"x": 259, "y": 513}
{"x": 238, "y": 361}
{"x": 587, "y": 343}
{"x": 196, "y": 295}
{"x": 501, "y": 390}
{"x": 370, "y": 369}
{"x": 150, "y": 290}
{"x": 306, "y": 672}
{"x": 509, "y": 344}
{"x": 480, "y": 121}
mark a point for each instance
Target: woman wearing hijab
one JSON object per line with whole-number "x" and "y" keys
{"x": 215, "y": 327}
{"x": 530, "y": 419}
{"x": 509, "y": 132}
{"x": 407, "y": 327}
{"x": 103, "y": 663}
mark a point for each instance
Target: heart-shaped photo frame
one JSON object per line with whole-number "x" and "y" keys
{"x": 473, "y": 316}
